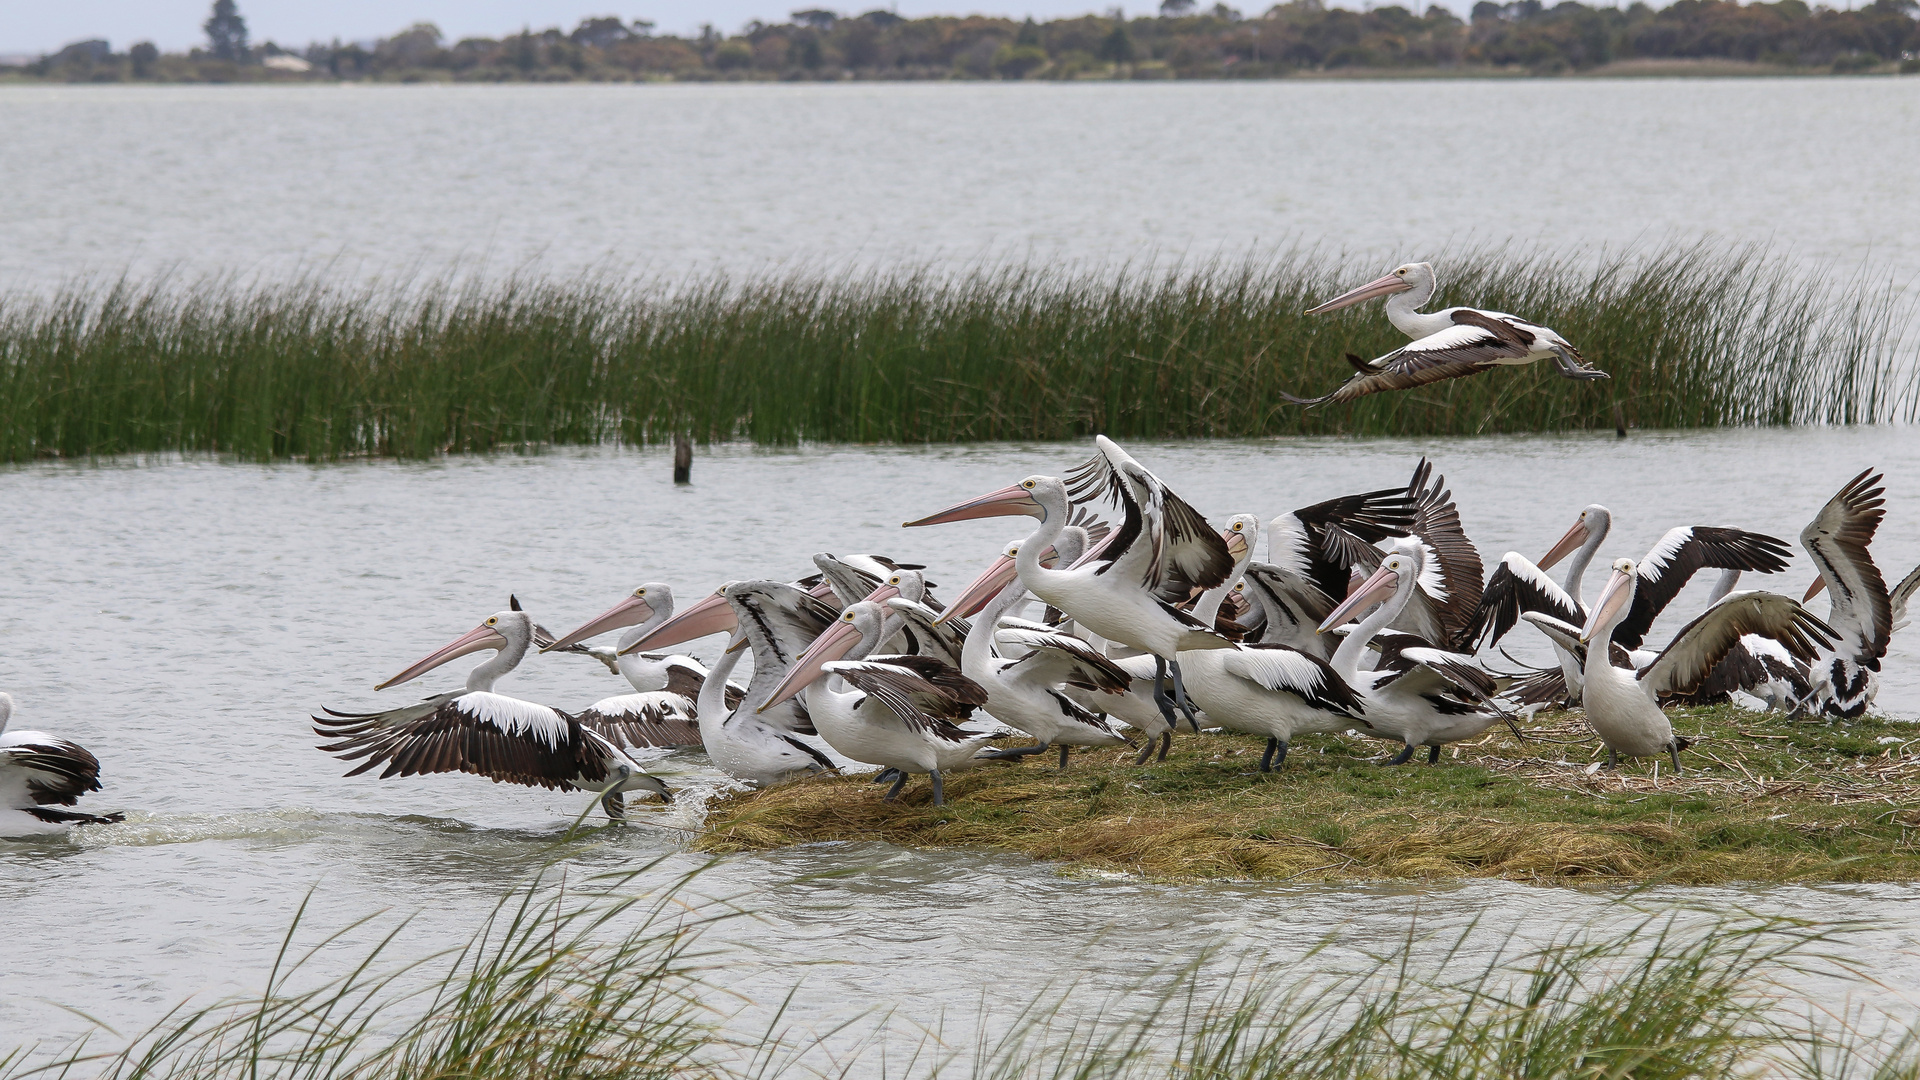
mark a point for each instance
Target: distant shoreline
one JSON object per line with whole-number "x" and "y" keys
{"x": 1301, "y": 39}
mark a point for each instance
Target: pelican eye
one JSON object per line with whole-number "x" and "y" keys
{"x": 848, "y": 616}
{"x": 894, "y": 580}
{"x": 493, "y": 620}
{"x": 1028, "y": 484}
{"x": 639, "y": 592}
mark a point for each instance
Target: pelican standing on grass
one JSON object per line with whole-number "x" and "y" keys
{"x": 1623, "y": 705}
{"x": 38, "y": 772}
{"x": 901, "y": 712}
{"x": 1162, "y": 548}
{"x": 1448, "y": 344}
{"x": 477, "y": 731}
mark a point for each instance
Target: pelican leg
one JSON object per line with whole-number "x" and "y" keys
{"x": 1613, "y": 760}
{"x": 1673, "y": 749}
{"x": 1160, "y": 697}
{"x": 1275, "y": 756}
{"x": 615, "y": 804}
{"x": 1063, "y": 757}
{"x": 1573, "y": 369}
{"x": 1433, "y": 755}
{"x": 1180, "y": 697}
{"x": 900, "y": 781}
{"x": 1018, "y": 751}
{"x": 939, "y": 790}
{"x": 1166, "y": 744}
{"x": 1145, "y": 753}
{"x": 885, "y": 775}
{"x": 1405, "y": 755}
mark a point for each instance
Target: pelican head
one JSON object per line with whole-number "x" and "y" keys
{"x": 1035, "y": 497}
{"x": 1406, "y": 277}
{"x": 644, "y": 604}
{"x": 910, "y": 584}
{"x": 712, "y": 615}
{"x": 857, "y": 625}
{"x": 1614, "y": 600}
{"x": 1589, "y": 528}
{"x": 1398, "y": 569}
{"x": 985, "y": 587}
{"x": 503, "y": 631}
{"x": 1241, "y": 533}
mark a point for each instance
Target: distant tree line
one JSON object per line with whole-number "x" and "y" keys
{"x": 1299, "y": 37}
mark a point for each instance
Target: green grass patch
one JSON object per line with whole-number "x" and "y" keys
{"x": 1694, "y": 337}
{"x": 1763, "y": 799}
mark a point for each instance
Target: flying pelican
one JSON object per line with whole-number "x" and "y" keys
{"x": 39, "y": 772}
{"x": 901, "y": 711}
{"x": 1270, "y": 690}
{"x": 1028, "y": 692}
{"x": 662, "y": 710}
{"x": 506, "y": 739}
{"x": 1448, "y": 344}
{"x": 1844, "y": 678}
{"x": 750, "y": 741}
{"x": 1119, "y": 590}
{"x": 1623, "y": 705}
{"x": 1418, "y": 695}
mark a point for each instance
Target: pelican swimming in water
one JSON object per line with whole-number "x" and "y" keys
{"x": 663, "y": 710}
{"x": 477, "y": 731}
{"x": 1447, "y": 344}
{"x": 39, "y": 772}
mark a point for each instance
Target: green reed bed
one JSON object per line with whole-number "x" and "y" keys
{"x": 1697, "y": 336}
{"x": 553, "y": 987}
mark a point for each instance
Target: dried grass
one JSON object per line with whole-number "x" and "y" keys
{"x": 1762, "y": 799}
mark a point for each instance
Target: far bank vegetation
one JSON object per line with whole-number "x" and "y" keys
{"x": 1185, "y": 41}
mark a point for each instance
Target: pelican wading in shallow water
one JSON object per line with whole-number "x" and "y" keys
{"x": 477, "y": 731}
{"x": 39, "y": 772}
{"x": 1447, "y": 344}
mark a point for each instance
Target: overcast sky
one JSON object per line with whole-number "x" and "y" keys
{"x": 45, "y": 25}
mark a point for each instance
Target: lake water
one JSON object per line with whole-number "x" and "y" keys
{"x": 351, "y": 182}
{"x": 182, "y": 618}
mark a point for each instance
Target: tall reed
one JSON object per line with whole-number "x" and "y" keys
{"x": 613, "y": 989}
{"x": 1693, "y": 336}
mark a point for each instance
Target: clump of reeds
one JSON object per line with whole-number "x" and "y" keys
{"x": 544, "y": 988}
{"x": 1696, "y": 336}
{"x": 553, "y": 991}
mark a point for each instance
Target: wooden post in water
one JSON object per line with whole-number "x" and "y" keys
{"x": 1619, "y": 421}
{"x": 683, "y": 460}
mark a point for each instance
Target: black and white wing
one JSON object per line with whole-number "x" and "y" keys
{"x": 780, "y": 621}
{"x": 659, "y": 718}
{"x": 1054, "y": 660}
{"x": 1518, "y": 586}
{"x": 504, "y": 739}
{"x": 926, "y": 695}
{"x": 1184, "y": 552}
{"x": 1679, "y": 554}
{"x": 1898, "y": 598}
{"x": 925, "y": 636}
{"x": 1476, "y": 342}
{"x": 43, "y": 770}
{"x": 1292, "y": 605}
{"x": 1436, "y": 520}
{"x": 1837, "y": 540}
{"x": 1282, "y": 669}
{"x": 1324, "y": 541}
{"x": 1701, "y": 644}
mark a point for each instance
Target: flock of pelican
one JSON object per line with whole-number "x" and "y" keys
{"x": 1371, "y": 614}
